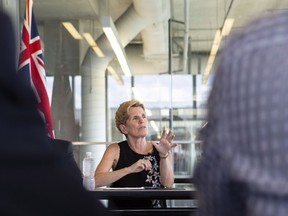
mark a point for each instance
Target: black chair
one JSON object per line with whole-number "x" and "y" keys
{"x": 65, "y": 148}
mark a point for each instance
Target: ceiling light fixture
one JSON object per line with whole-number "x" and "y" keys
{"x": 213, "y": 52}
{"x": 93, "y": 44}
{"x": 215, "y": 47}
{"x": 112, "y": 35}
{"x": 115, "y": 75}
{"x": 72, "y": 30}
{"x": 227, "y": 27}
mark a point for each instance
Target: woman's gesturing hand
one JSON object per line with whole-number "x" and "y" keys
{"x": 140, "y": 165}
{"x": 165, "y": 143}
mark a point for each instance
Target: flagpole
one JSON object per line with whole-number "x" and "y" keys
{"x": 31, "y": 67}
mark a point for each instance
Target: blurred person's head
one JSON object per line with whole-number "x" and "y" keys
{"x": 18, "y": 111}
{"x": 7, "y": 46}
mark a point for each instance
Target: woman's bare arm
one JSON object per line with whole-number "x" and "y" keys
{"x": 103, "y": 174}
{"x": 164, "y": 148}
{"x": 166, "y": 171}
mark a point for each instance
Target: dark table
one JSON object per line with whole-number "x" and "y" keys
{"x": 150, "y": 193}
{"x": 144, "y": 193}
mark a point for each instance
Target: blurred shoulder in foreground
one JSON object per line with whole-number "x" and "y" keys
{"x": 243, "y": 168}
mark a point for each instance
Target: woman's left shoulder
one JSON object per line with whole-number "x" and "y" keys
{"x": 113, "y": 147}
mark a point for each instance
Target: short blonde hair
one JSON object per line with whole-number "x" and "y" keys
{"x": 122, "y": 113}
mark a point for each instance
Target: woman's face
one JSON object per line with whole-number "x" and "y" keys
{"x": 136, "y": 124}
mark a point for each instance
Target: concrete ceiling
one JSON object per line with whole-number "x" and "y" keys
{"x": 205, "y": 16}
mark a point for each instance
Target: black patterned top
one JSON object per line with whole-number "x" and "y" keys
{"x": 150, "y": 178}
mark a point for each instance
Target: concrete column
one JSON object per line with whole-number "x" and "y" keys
{"x": 94, "y": 106}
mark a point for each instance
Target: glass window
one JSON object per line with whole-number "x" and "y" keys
{"x": 169, "y": 103}
{"x": 84, "y": 97}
